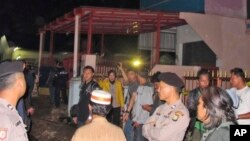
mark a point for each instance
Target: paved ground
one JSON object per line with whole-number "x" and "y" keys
{"x": 48, "y": 124}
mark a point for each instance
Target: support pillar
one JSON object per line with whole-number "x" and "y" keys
{"x": 102, "y": 44}
{"x": 51, "y": 46}
{"x": 155, "y": 51}
{"x": 158, "y": 42}
{"x": 90, "y": 26}
{"x": 41, "y": 46}
{"x": 76, "y": 44}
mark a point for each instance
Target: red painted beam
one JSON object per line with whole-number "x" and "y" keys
{"x": 90, "y": 26}
{"x": 158, "y": 41}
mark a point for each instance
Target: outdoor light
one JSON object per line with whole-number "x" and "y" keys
{"x": 18, "y": 57}
{"x": 16, "y": 48}
{"x": 136, "y": 63}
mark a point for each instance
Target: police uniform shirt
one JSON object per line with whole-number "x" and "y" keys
{"x": 60, "y": 78}
{"x": 168, "y": 123}
{"x": 12, "y": 127}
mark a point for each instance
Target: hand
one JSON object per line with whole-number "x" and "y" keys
{"x": 31, "y": 111}
{"x": 146, "y": 107}
{"x": 122, "y": 109}
{"x": 136, "y": 124}
{"x": 75, "y": 120}
{"x": 125, "y": 116}
{"x": 119, "y": 66}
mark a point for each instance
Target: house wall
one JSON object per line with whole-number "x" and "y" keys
{"x": 227, "y": 8}
{"x": 226, "y": 36}
{"x": 184, "y": 34}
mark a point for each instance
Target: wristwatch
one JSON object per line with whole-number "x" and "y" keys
{"x": 127, "y": 111}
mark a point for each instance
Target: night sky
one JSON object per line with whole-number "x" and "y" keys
{"x": 20, "y": 19}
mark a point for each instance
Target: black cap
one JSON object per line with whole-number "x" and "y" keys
{"x": 171, "y": 79}
{"x": 10, "y": 67}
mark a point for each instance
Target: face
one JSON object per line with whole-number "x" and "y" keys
{"x": 141, "y": 79}
{"x": 87, "y": 75}
{"x": 164, "y": 90}
{"x": 203, "y": 81}
{"x": 201, "y": 111}
{"x": 131, "y": 76}
{"x": 111, "y": 77}
{"x": 235, "y": 80}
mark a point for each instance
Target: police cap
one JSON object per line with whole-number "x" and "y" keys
{"x": 9, "y": 67}
{"x": 171, "y": 79}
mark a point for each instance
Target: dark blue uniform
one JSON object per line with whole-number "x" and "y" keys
{"x": 60, "y": 84}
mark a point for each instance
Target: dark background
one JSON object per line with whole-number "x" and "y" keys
{"x": 20, "y": 19}
{"x": 198, "y": 54}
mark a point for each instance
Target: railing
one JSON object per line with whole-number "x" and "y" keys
{"x": 103, "y": 66}
{"x": 190, "y": 80}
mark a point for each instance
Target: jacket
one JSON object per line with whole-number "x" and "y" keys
{"x": 60, "y": 78}
{"x": 84, "y": 100}
{"x": 221, "y": 133}
{"x": 105, "y": 85}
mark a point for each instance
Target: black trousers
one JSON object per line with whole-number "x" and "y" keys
{"x": 57, "y": 96}
{"x": 114, "y": 116}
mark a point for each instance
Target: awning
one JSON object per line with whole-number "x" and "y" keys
{"x": 114, "y": 21}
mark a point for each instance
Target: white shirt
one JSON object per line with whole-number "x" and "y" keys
{"x": 244, "y": 105}
{"x": 144, "y": 96}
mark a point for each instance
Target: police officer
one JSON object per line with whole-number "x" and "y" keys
{"x": 170, "y": 120}
{"x": 60, "y": 84}
{"x": 12, "y": 87}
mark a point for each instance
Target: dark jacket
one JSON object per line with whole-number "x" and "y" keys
{"x": 60, "y": 78}
{"x": 84, "y": 100}
{"x": 221, "y": 133}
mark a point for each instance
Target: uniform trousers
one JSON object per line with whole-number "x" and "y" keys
{"x": 57, "y": 96}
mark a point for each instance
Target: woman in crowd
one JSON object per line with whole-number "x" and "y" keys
{"x": 216, "y": 112}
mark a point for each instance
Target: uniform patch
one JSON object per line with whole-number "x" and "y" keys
{"x": 176, "y": 115}
{"x": 3, "y": 133}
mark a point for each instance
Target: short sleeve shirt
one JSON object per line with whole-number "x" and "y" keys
{"x": 244, "y": 104}
{"x": 12, "y": 127}
{"x": 168, "y": 123}
{"x": 143, "y": 97}
{"x": 132, "y": 87}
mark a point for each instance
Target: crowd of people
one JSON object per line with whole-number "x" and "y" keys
{"x": 134, "y": 108}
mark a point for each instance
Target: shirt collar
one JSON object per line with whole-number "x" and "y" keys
{"x": 242, "y": 90}
{"x": 99, "y": 119}
{"x": 178, "y": 102}
{"x": 6, "y": 104}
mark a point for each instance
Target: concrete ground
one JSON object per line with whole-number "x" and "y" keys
{"x": 49, "y": 123}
